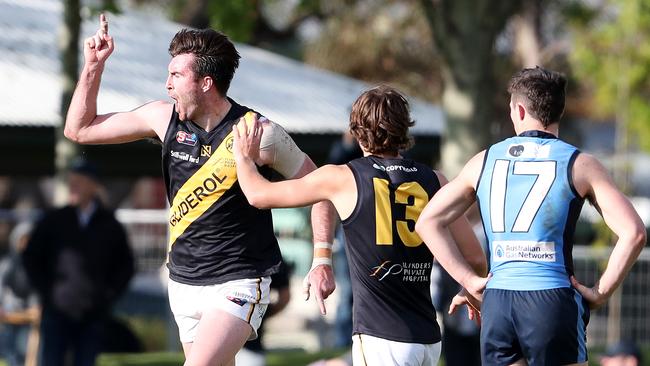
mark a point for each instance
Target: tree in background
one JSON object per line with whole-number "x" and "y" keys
{"x": 611, "y": 59}
{"x": 65, "y": 150}
{"x": 465, "y": 32}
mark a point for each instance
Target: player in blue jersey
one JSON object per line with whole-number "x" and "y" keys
{"x": 530, "y": 189}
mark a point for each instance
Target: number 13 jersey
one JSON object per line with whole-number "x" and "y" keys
{"x": 390, "y": 266}
{"x": 529, "y": 208}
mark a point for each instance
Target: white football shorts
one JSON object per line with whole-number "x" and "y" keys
{"x": 246, "y": 299}
{"x": 373, "y": 351}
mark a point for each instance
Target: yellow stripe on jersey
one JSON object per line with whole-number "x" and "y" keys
{"x": 217, "y": 175}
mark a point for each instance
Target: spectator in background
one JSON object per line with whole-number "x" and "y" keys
{"x": 253, "y": 353}
{"x": 341, "y": 152}
{"x": 80, "y": 262}
{"x": 623, "y": 353}
{"x": 19, "y": 310}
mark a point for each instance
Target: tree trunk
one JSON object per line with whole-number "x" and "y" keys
{"x": 528, "y": 42}
{"x": 65, "y": 150}
{"x": 464, "y": 32}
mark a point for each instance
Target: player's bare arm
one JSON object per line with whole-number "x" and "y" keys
{"x": 305, "y": 190}
{"x": 446, "y": 206}
{"x": 470, "y": 248}
{"x": 83, "y": 125}
{"x": 463, "y": 235}
{"x": 594, "y": 183}
{"x": 308, "y": 186}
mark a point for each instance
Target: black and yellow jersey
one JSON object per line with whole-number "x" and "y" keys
{"x": 390, "y": 266}
{"x": 215, "y": 236}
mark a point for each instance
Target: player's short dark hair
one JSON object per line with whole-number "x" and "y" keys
{"x": 541, "y": 91}
{"x": 215, "y": 55}
{"x": 380, "y": 120}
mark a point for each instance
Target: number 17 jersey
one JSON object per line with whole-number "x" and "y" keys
{"x": 529, "y": 208}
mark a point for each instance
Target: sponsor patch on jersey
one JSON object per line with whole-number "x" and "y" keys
{"x": 229, "y": 143}
{"x": 391, "y": 168}
{"x": 186, "y": 138}
{"x": 523, "y": 250}
{"x": 237, "y": 300}
{"x": 206, "y": 150}
{"x": 529, "y": 150}
{"x": 180, "y": 155}
{"x": 407, "y": 271}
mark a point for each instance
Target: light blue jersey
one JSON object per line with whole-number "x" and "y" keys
{"x": 529, "y": 208}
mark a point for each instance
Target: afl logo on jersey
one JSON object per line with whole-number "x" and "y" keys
{"x": 516, "y": 150}
{"x": 186, "y": 138}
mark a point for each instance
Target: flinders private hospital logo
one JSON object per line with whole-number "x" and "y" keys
{"x": 408, "y": 271}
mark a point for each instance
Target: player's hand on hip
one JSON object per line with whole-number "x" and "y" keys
{"x": 594, "y": 298}
{"x": 98, "y": 47}
{"x": 476, "y": 285}
{"x": 319, "y": 280}
{"x": 473, "y": 306}
{"x": 247, "y": 139}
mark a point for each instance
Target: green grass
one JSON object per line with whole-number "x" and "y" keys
{"x": 278, "y": 358}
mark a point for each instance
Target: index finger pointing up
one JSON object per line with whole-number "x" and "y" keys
{"x": 103, "y": 23}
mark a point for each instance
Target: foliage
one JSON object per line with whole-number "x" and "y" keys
{"x": 379, "y": 41}
{"x": 237, "y": 18}
{"x": 612, "y": 58}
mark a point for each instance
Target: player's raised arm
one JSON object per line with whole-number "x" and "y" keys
{"x": 82, "y": 123}
{"x": 593, "y": 182}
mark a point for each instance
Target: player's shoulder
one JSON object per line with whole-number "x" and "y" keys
{"x": 334, "y": 171}
{"x": 585, "y": 163}
{"x": 156, "y": 105}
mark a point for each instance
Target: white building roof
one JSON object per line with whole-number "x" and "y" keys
{"x": 300, "y": 97}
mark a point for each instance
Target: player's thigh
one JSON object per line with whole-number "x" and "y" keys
{"x": 219, "y": 337}
{"x": 373, "y": 351}
{"x": 552, "y": 328}
{"x": 499, "y": 343}
{"x": 246, "y": 299}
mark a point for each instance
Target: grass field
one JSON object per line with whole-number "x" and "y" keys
{"x": 277, "y": 358}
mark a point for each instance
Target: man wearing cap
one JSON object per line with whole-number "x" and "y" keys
{"x": 79, "y": 261}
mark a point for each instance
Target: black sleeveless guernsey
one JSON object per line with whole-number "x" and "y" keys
{"x": 215, "y": 236}
{"x": 390, "y": 266}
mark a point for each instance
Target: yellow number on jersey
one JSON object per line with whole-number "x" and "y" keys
{"x": 384, "y": 212}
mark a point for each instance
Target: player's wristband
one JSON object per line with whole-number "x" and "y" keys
{"x": 320, "y": 260}
{"x": 323, "y": 245}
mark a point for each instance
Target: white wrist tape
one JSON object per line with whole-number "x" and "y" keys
{"x": 323, "y": 245}
{"x": 320, "y": 260}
